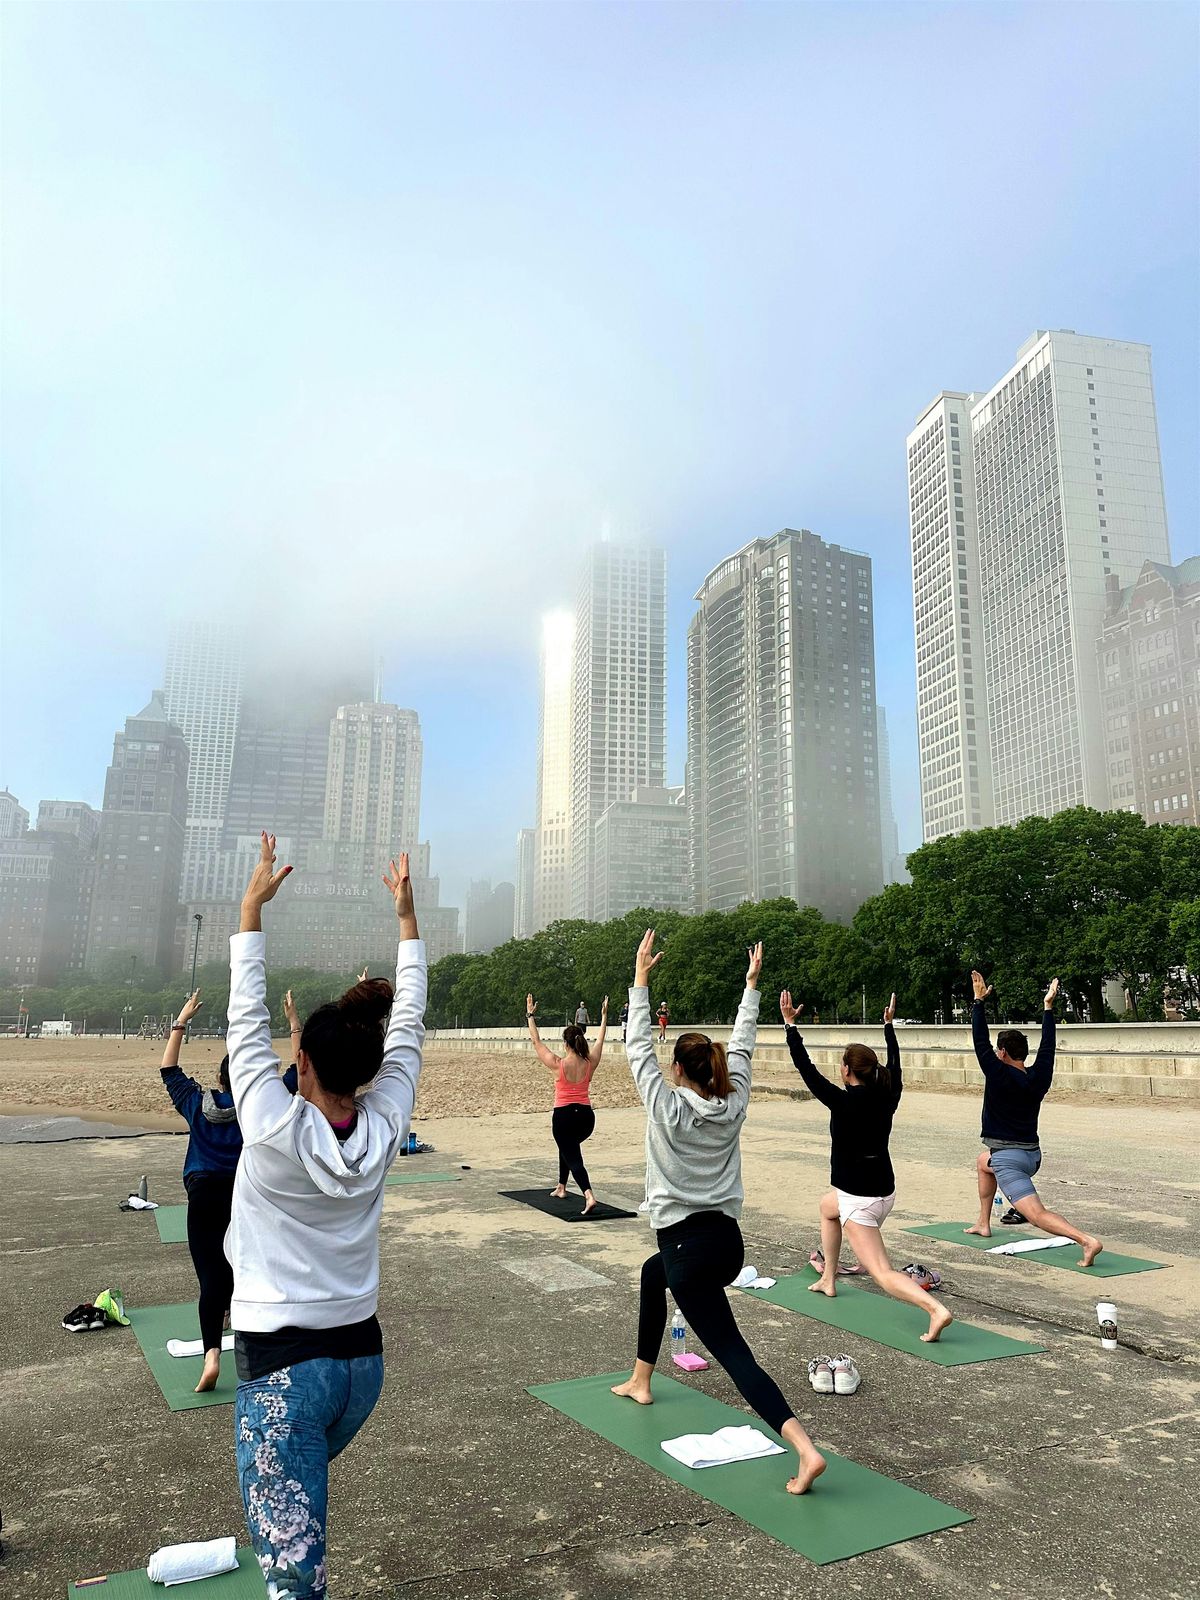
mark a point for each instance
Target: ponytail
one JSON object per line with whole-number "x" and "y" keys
{"x": 576, "y": 1041}
{"x": 344, "y": 1039}
{"x": 704, "y": 1061}
{"x": 865, "y": 1066}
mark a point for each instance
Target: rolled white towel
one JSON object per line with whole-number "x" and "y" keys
{"x": 195, "y": 1347}
{"x": 1021, "y": 1247}
{"x": 185, "y": 1563}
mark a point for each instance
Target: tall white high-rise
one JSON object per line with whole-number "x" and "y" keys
{"x": 895, "y": 869}
{"x": 552, "y": 846}
{"x": 373, "y": 778}
{"x": 202, "y": 696}
{"x": 1063, "y": 468}
{"x": 619, "y": 696}
{"x": 523, "y": 924}
{"x": 955, "y": 764}
{"x": 1068, "y": 488}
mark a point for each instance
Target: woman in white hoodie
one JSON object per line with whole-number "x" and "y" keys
{"x": 694, "y": 1117}
{"x": 304, "y": 1235}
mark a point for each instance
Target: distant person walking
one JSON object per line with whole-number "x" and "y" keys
{"x": 582, "y": 1020}
{"x": 694, "y": 1117}
{"x": 860, "y": 1169}
{"x": 1013, "y": 1091}
{"x": 664, "y": 1016}
{"x": 624, "y": 1020}
{"x": 213, "y": 1150}
{"x": 573, "y": 1121}
{"x": 304, "y": 1239}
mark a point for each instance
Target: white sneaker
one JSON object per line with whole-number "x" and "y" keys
{"x": 820, "y": 1374}
{"x": 846, "y": 1376}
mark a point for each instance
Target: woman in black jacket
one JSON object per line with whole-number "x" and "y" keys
{"x": 864, "y": 1185}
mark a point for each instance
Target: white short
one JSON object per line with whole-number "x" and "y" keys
{"x": 867, "y": 1210}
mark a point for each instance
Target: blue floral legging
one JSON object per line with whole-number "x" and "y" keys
{"x": 289, "y": 1426}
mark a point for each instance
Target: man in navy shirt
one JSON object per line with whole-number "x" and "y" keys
{"x": 1014, "y": 1088}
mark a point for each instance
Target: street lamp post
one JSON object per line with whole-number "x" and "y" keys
{"x": 198, "y": 919}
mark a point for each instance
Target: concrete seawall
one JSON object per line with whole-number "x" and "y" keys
{"x": 1131, "y": 1060}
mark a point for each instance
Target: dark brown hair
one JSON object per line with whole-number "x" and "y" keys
{"x": 576, "y": 1041}
{"x": 704, "y": 1062}
{"x": 865, "y": 1066}
{"x": 223, "y": 1075}
{"x": 1013, "y": 1042}
{"x": 344, "y": 1039}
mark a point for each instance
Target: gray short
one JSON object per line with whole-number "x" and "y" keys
{"x": 1014, "y": 1171}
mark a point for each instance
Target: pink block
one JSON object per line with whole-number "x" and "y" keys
{"x": 690, "y": 1362}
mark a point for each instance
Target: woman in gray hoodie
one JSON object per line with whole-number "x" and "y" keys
{"x": 694, "y": 1186}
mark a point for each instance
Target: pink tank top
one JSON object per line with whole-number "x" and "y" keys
{"x": 567, "y": 1093}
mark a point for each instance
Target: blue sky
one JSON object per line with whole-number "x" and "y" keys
{"x": 358, "y": 319}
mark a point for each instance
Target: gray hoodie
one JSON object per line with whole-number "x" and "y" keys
{"x": 693, "y": 1145}
{"x": 303, "y": 1240}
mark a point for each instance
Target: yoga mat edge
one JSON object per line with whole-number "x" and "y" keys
{"x": 1109, "y": 1263}
{"x": 568, "y": 1210}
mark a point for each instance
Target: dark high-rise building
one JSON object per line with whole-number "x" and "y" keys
{"x": 489, "y": 916}
{"x": 43, "y": 906}
{"x": 139, "y": 858}
{"x": 783, "y": 777}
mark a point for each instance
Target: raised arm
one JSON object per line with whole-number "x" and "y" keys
{"x": 546, "y": 1056}
{"x": 395, "y": 1084}
{"x": 185, "y": 1092}
{"x": 597, "y": 1049}
{"x": 744, "y": 1033}
{"x": 661, "y": 1103}
{"x": 261, "y": 1099}
{"x": 893, "y": 1050}
{"x": 1043, "y": 1062}
{"x": 981, "y": 1038}
{"x": 815, "y": 1082}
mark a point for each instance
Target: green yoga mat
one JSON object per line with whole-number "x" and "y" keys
{"x": 172, "y": 1224}
{"x": 395, "y": 1177}
{"x": 877, "y": 1316}
{"x": 177, "y": 1376}
{"x": 245, "y": 1584}
{"x": 850, "y": 1509}
{"x": 1108, "y": 1263}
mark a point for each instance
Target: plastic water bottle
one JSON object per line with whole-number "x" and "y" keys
{"x": 678, "y": 1334}
{"x": 997, "y": 1207}
{"x": 412, "y": 1143}
{"x": 143, "y": 1189}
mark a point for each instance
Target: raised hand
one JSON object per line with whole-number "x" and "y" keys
{"x": 530, "y": 1007}
{"x": 755, "y": 967}
{"x": 889, "y": 1012}
{"x": 290, "y": 1012}
{"x": 646, "y": 960}
{"x": 264, "y": 880}
{"x": 362, "y": 977}
{"x": 980, "y": 984}
{"x": 400, "y": 887}
{"x": 787, "y": 1010}
{"x": 604, "y": 1010}
{"x": 1051, "y": 994}
{"x": 190, "y": 1007}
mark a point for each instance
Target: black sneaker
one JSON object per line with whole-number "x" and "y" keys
{"x": 80, "y": 1320}
{"x": 97, "y": 1319}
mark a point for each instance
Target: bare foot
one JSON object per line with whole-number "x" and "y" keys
{"x": 635, "y": 1389}
{"x": 590, "y": 1207}
{"x": 812, "y": 1465}
{"x": 939, "y": 1320}
{"x": 1091, "y": 1250}
{"x": 560, "y": 1193}
{"x": 824, "y": 1286}
{"x": 212, "y": 1371}
{"x": 981, "y": 1228}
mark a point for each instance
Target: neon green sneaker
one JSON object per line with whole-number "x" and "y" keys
{"x": 111, "y": 1302}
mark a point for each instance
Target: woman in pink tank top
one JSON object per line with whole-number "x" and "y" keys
{"x": 572, "y": 1120}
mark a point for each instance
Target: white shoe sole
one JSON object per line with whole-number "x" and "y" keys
{"x": 847, "y": 1385}
{"x": 822, "y": 1385}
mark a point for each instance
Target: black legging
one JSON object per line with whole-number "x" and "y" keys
{"x": 696, "y": 1259}
{"x": 571, "y": 1125}
{"x": 210, "y": 1200}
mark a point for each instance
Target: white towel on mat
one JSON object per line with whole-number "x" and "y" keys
{"x": 184, "y": 1563}
{"x": 749, "y": 1278}
{"x": 720, "y": 1448}
{"x": 195, "y": 1347}
{"x": 1018, "y": 1247}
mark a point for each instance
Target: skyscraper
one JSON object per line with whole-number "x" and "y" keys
{"x": 1063, "y": 468}
{"x": 1149, "y": 661}
{"x": 373, "y": 779}
{"x": 73, "y": 818}
{"x": 202, "y": 696}
{"x": 489, "y": 916}
{"x": 955, "y": 763}
{"x": 619, "y": 696}
{"x": 43, "y": 906}
{"x": 139, "y": 860}
{"x": 14, "y": 818}
{"x": 894, "y": 867}
{"x": 552, "y": 850}
{"x": 642, "y": 854}
{"x": 783, "y": 781}
{"x": 523, "y": 924}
